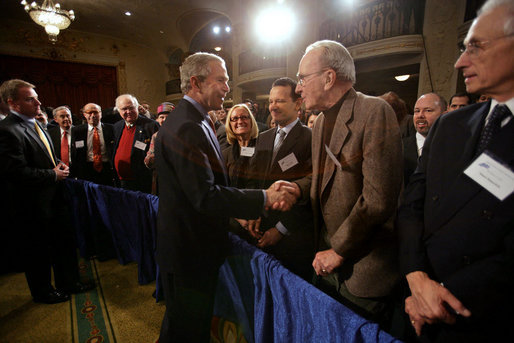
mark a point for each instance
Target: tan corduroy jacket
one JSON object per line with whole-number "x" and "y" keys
{"x": 359, "y": 193}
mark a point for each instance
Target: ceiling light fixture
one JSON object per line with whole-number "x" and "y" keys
{"x": 218, "y": 48}
{"x": 50, "y": 16}
{"x": 216, "y": 29}
{"x": 227, "y": 29}
{"x": 402, "y": 77}
{"x": 128, "y": 14}
{"x": 272, "y": 20}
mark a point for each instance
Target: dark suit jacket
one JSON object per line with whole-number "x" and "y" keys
{"x": 145, "y": 128}
{"x": 55, "y": 135}
{"x": 26, "y": 167}
{"x": 298, "y": 141}
{"x": 455, "y": 230}
{"x": 80, "y": 168}
{"x": 194, "y": 199}
{"x": 265, "y": 172}
{"x": 221, "y": 135}
{"x": 410, "y": 156}
{"x": 295, "y": 250}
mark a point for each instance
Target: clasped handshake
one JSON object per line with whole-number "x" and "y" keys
{"x": 282, "y": 195}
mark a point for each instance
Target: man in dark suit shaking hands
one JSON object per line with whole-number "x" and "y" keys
{"x": 195, "y": 202}
{"x": 457, "y": 222}
{"x": 37, "y": 209}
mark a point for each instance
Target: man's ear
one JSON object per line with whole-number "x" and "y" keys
{"x": 195, "y": 83}
{"x": 298, "y": 103}
{"x": 11, "y": 104}
{"x": 330, "y": 79}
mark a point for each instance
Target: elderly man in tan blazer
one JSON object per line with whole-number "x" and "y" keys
{"x": 356, "y": 181}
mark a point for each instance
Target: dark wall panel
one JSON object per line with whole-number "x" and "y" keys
{"x": 63, "y": 83}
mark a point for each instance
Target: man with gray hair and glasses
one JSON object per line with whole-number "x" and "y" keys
{"x": 355, "y": 184}
{"x": 457, "y": 222}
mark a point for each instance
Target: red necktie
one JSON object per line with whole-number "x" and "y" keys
{"x": 65, "y": 149}
{"x": 97, "y": 151}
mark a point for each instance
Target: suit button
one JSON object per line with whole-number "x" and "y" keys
{"x": 487, "y": 214}
{"x": 466, "y": 259}
{"x": 435, "y": 198}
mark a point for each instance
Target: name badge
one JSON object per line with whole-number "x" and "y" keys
{"x": 79, "y": 144}
{"x": 492, "y": 175}
{"x": 332, "y": 157}
{"x": 247, "y": 151}
{"x": 288, "y": 162}
{"x": 140, "y": 145}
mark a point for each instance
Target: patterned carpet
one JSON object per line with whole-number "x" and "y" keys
{"x": 90, "y": 317}
{"x": 119, "y": 310}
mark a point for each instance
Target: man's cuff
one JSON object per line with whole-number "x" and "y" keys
{"x": 282, "y": 229}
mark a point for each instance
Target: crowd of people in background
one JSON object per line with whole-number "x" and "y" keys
{"x": 383, "y": 207}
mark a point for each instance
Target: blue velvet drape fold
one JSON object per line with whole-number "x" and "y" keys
{"x": 266, "y": 300}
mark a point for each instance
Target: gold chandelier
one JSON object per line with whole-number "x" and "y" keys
{"x": 50, "y": 16}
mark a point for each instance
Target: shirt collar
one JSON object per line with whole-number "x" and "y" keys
{"x": 288, "y": 127}
{"x": 29, "y": 120}
{"x": 90, "y": 127}
{"x": 420, "y": 141}
{"x": 196, "y": 105}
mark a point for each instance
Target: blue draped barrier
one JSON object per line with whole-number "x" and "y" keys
{"x": 259, "y": 295}
{"x": 130, "y": 217}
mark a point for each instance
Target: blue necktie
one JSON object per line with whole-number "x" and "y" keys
{"x": 282, "y": 136}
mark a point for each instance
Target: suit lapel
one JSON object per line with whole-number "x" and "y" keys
{"x": 55, "y": 136}
{"x": 289, "y": 142}
{"x": 107, "y": 133}
{"x": 33, "y": 134}
{"x": 81, "y": 135}
{"x": 317, "y": 142}
{"x": 266, "y": 144}
{"x": 410, "y": 149}
{"x": 138, "y": 134}
{"x": 118, "y": 131}
{"x": 339, "y": 135}
{"x": 502, "y": 145}
{"x": 196, "y": 116}
{"x": 463, "y": 189}
{"x": 214, "y": 141}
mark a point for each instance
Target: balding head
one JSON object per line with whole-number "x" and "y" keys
{"x": 93, "y": 114}
{"x": 127, "y": 105}
{"x": 426, "y": 110}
